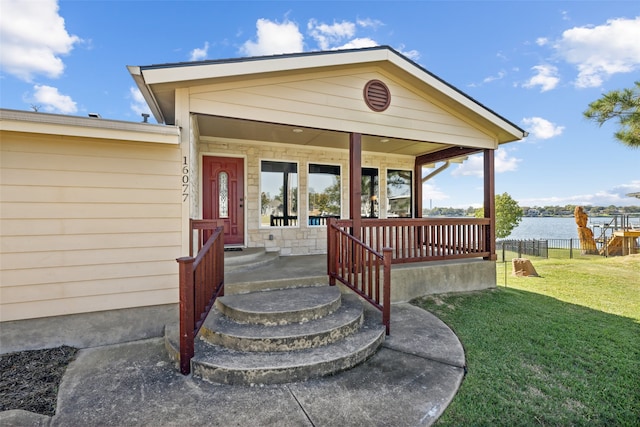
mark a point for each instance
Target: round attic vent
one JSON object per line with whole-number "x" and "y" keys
{"x": 376, "y": 95}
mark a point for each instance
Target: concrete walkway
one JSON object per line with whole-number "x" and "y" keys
{"x": 408, "y": 382}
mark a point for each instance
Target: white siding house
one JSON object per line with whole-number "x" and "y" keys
{"x": 95, "y": 212}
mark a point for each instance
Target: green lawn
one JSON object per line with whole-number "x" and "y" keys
{"x": 560, "y": 349}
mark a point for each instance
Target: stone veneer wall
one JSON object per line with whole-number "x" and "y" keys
{"x": 303, "y": 239}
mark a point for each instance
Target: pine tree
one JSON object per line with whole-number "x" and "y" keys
{"x": 623, "y": 105}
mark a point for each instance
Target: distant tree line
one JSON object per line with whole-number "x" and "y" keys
{"x": 509, "y": 213}
{"x": 448, "y": 212}
{"x": 566, "y": 210}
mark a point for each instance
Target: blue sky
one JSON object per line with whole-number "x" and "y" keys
{"x": 536, "y": 63}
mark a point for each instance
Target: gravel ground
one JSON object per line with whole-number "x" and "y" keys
{"x": 29, "y": 380}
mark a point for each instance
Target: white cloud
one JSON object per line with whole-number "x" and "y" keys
{"x": 432, "y": 192}
{"x": 540, "y": 128}
{"x": 33, "y": 38}
{"x": 546, "y": 77}
{"x": 601, "y": 51}
{"x": 474, "y": 165}
{"x": 53, "y": 101}
{"x": 541, "y": 41}
{"x": 413, "y": 54}
{"x": 199, "y": 54}
{"x": 501, "y": 74}
{"x": 616, "y": 196}
{"x": 274, "y": 38}
{"x": 329, "y": 35}
{"x": 504, "y": 162}
{"x": 623, "y": 189}
{"x": 342, "y": 35}
{"x": 358, "y": 44}
{"x": 138, "y": 104}
{"x": 369, "y": 23}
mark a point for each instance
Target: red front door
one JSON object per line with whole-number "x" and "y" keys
{"x": 223, "y": 195}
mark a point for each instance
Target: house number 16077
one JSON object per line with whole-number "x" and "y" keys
{"x": 185, "y": 179}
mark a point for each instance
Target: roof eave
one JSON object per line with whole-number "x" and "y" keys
{"x": 146, "y": 92}
{"x": 204, "y": 70}
{"x": 77, "y": 126}
{"x": 179, "y": 73}
{"x": 514, "y": 132}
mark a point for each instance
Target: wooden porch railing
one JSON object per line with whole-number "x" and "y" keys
{"x": 426, "y": 239}
{"x": 202, "y": 229}
{"x": 361, "y": 268}
{"x": 279, "y": 221}
{"x": 201, "y": 282}
{"x": 356, "y": 262}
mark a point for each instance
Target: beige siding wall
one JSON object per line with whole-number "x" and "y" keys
{"x": 334, "y": 100}
{"x": 87, "y": 225}
{"x": 302, "y": 239}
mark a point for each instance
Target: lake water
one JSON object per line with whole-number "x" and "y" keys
{"x": 546, "y": 228}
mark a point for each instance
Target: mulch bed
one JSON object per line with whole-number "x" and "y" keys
{"x": 29, "y": 380}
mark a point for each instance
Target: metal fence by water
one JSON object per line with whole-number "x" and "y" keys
{"x": 549, "y": 248}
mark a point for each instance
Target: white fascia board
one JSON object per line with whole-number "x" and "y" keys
{"x": 55, "y": 124}
{"x": 248, "y": 66}
{"x": 180, "y": 73}
{"x": 456, "y": 96}
{"x": 147, "y": 94}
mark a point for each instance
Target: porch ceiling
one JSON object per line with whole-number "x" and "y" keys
{"x": 211, "y": 127}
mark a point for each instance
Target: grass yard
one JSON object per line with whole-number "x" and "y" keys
{"x": 560, "y": 349}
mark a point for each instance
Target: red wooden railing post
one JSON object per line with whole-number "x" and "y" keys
{"x": 331, "y": 252}
{"x": 201, "y": 282}
{"x": 350, "y": 260}
{"x": 386, "y": 305}
{"x": 186, "y": 313}
{"x": 219, "y": 265}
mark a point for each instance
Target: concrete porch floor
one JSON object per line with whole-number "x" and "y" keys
{"x": 307, "y": 268}
{"x": 408, "y": 280}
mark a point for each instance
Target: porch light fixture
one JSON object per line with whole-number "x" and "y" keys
{"x": 384, "y": 140}
{"x": 297, "y": 130}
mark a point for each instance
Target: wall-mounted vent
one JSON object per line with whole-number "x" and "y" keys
{"x": 377, "y": 95}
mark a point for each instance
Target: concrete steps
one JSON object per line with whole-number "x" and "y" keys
{"x": 282, "y": 335}
{"x": 280, "y": 306}
{"x": 313, "y": 327}
{"x": 247, "y": 259}
{"x": 254, "y": 270}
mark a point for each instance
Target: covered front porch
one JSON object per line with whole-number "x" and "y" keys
{"x": 278, "y": 193}
{"x": 274, "y": 146}
{"x": 323, "y": 154}
{"x": 254, "y": 270}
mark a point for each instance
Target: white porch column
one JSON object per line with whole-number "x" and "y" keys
{"x": 187, "y": 183}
